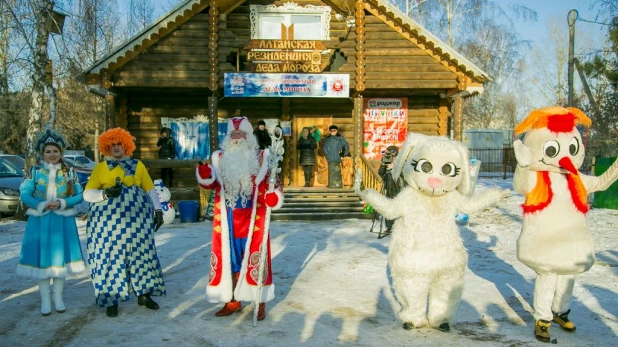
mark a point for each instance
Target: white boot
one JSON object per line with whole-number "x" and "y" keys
{"x": 45, "y": 297}
{"x": 57, "y": 289}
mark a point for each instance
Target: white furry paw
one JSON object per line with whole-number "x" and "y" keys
{"x": 522, "y": 153}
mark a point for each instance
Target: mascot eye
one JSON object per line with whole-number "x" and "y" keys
{"x": 450, "y": 170}
{"x": 424, "y": 165}
{"x": 574, "y": 146}
{"x": 551, "y": 148}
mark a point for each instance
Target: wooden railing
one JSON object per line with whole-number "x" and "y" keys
{"x": 371, "y": 179}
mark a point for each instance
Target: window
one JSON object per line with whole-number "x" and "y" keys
{"x": 308, "y": 23}
{"x": 82, "y": 160}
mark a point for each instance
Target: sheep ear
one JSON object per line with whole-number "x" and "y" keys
{"x": 407, "y": 147}
{"x": 465, "y": 186}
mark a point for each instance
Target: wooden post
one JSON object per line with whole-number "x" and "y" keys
{"x": 213, "y": 44}
{"x": 458, "y": 118}
{"x": 213, "y": 123}
{"x": 290, "y": 150}
{"x": 443, "y": 116}
{"x": 358, "y": 125}
{"x": 110, "y": 111}
{"x": 359, "y": 15}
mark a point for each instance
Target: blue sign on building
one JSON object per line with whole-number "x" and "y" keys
{"x": 287, "y": 85}
{"x": 193, "y": 139}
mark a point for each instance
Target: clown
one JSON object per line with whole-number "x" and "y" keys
{"x": 555, "y": 241}
{"x": 239, "y": 177}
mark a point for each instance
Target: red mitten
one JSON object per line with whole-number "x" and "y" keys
{"x": 204, "y": 171}
{"x": 271, "y": 199}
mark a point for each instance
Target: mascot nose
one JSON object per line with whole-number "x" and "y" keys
{"x": 433, "y": 182}
{"x": 567, "y": 164}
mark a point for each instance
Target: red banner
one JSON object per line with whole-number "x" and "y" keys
{"x": 386, "y": 124}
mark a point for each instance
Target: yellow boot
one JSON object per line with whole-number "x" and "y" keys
{"x": 541, "y": 330}
{"x": 563, "y": 321}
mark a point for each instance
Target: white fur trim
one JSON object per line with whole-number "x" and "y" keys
{"x": 63, "y": 204}
{"x": 247, "y": 292}
{"x": 41, "y": 208}
{"x": 223, "y": 291}
{"x": 41, "y": 274}
{"x": 206, "y": 181}
{"x": 215, "y": 159}
{"x": 66, "y": 213}
{"x": 280, "y": 201}
{"x": 245, "y": 125}
{"x": 263, "y": 169}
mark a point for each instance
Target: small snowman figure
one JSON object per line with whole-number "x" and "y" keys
{"x": 164, "y": 196}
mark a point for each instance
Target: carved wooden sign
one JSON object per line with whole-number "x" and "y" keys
{"x": 286, "y": 56}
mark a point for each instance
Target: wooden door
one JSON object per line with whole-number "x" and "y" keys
{"x": 320, "y": 123}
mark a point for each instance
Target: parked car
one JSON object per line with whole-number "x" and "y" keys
{"x": 83, "y": 172}
{"x": 15, "y": 160}
{"x": 81, "y": 159}
{"x": 10, "y": 180}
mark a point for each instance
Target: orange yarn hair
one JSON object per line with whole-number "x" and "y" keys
{"x": 555, "y": 118}
{"x": 113, "y": 136}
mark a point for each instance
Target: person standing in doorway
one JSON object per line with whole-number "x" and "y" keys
{"x": 261, "y": 133}
{"x": 334, "y": 147}
{"x": 306, "y": 145}
{"x": 167, "y": 150}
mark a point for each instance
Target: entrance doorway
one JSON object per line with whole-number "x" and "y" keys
{"x": 320, "y": 170}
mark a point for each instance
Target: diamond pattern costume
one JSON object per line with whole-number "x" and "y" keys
{"x": 121, "y": 247}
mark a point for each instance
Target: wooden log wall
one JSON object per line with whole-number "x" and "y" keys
{"x": 181, "y": 59}
{"x": 392, "y": 61}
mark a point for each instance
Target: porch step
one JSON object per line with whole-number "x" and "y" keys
{"x": 318, "y": 203}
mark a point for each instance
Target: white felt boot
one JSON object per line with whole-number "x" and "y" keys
{"x": 58, "y": 287}
{"x": 45, "y": 297}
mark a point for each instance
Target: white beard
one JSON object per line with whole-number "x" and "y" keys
{"x": 239, "y": 163}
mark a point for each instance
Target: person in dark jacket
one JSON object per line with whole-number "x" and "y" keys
{"x": 334, "y": 147}
{"x": 306, "y": 145}
{"x": 261, "y": 133}
{"x": 167, "y": 150}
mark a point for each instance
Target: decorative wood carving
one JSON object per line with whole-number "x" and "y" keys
{"x": 359, "y": 19}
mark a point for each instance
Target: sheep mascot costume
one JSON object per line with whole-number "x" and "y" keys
{"x": 426, "y": 255}
{"x": 555, "y": 241}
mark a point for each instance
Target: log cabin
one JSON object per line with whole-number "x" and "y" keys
{"x": 179, "y": 67}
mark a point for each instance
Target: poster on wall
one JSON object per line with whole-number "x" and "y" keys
{"x": 385, "y": 124}
{"x": 192, "y": 138}
{"x": 289, "y": 85}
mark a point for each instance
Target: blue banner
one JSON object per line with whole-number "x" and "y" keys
{"x": 287, "y": 85}
{"x": 193, "y": 139}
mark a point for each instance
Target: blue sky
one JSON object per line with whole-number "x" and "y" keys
{"x": 550, "y": 9}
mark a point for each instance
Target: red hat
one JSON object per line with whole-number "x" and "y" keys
{"x": 239, "y": 123}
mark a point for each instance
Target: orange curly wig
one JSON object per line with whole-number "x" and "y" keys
{"x": 113, "y": 136}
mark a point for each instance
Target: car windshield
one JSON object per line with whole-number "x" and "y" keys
{"x": 9, "y": 170}
{"x": 14, "y": 160}
{"x": 73, "y": 163}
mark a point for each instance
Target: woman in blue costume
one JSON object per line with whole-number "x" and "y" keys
{"x": 124, "y": 214}
{"x": 51, "y": 245}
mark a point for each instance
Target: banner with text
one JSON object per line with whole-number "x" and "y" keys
{"x": 385, "y": 124}
{"x": 287, "y": 85}
{"x": 193, "y": 139}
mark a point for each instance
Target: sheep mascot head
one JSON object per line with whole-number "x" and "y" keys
{"x": 433, "y": 165}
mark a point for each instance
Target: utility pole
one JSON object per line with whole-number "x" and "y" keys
{"x": 571, "y": 20}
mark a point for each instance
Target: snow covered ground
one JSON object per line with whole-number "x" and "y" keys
{"x": 332, "y": 289}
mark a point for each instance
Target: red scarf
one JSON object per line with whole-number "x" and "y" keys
{"x": 541, "y": 196}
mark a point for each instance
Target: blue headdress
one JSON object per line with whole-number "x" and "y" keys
{"x": 47, "y": 136}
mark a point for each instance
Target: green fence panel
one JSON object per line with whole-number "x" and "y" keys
{"x": 609, "y": 197}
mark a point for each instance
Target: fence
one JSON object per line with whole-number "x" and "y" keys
{"x": 501, "y": 162}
